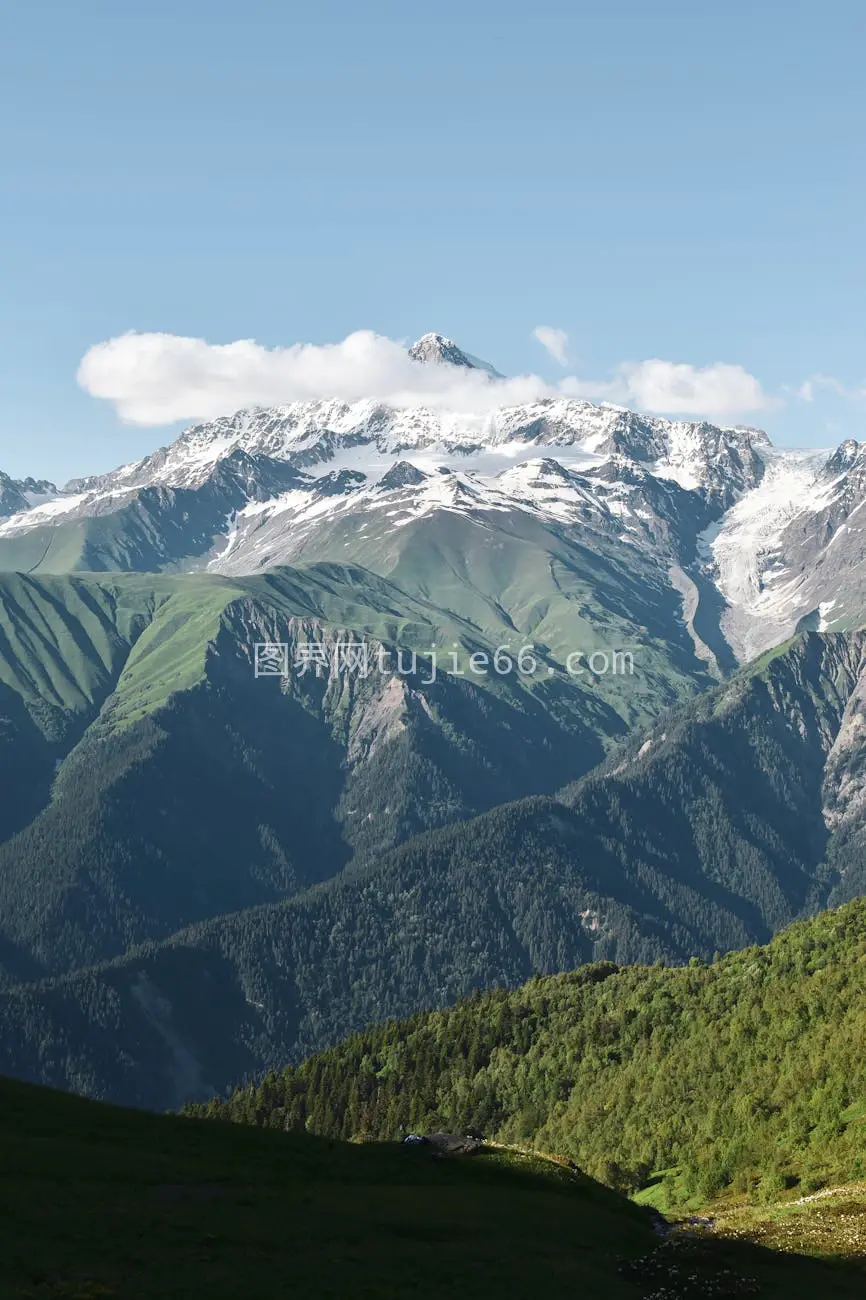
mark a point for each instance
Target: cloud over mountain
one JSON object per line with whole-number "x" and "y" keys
{"x": 159, "y": 378}
{"x": 680, "y": 389}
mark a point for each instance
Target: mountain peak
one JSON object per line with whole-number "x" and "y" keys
{"x": 846, "y": 456}
{"x": 18, "y": 495}
{"x": 402, "y": 474}
{"x": 436, "y": 349}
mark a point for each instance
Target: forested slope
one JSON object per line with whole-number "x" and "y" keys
{"x": 151, "y": 781}
{"x": 749, "y": 1072}
{"x": 709, "y": 834}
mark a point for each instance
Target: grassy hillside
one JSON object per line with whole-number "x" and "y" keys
{"x": 63, "y": 645}
{"x": 509, "y": 575}
{"x": 748, "y": 1074}
{"x": 504, "y": 573}
{"x": 159, "y": 784}
{"x": 104, "y": 1203}
{"x": 152, "y": 783}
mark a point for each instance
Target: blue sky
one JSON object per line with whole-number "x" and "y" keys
{"x": 673, "y": 181}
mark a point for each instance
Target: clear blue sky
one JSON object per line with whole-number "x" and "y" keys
{"x": 680, "y": 179}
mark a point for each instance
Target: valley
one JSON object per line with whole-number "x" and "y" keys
{"x": 210, "y": 876}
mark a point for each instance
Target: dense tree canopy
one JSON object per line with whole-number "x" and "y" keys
{"x": 750, "y": 1070}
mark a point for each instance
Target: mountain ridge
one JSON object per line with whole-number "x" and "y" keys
{"x": 708, "y": 834}
{"x": 748, "y": 547}
{"x": 159, "y": 781}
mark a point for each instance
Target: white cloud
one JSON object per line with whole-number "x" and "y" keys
{"x": 676, "y": 388}
{"x": 553, "y": 341}
{"x": 157, "y": 379}
{"x": 160, "y": 378}
{"x": 815, "y": 384}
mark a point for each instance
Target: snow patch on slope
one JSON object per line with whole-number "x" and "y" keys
{"x": 46, "y": 512}
{"x": 742, "y": 550}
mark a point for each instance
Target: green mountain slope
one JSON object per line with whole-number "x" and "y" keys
{"x": 516, "y": 578}
{"x": 175, "y": 786}
{"x": 730, "y": 797}
{"x": 103, "y": 1202}
{"x": 454, "y": 910}
{"x": 110, "y": 1203}
{"x": 749, "y": 1072}
{"x": 709, "y": 834}
{"x": 510, "y": 575}
{"x": 63, "y": 644}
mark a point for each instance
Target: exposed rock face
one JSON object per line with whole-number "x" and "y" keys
{"x": 845, "y": 772}
{"x": 403, "y": 474}
{"x": 20, "y": 495}
{"x": 435, "y": 349}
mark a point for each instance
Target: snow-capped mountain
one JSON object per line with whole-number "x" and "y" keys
{"x": 20, "y": 495}
{"x": 435, "y": 349}
{"x": 367, "y": 437}
{"x": 792, "y": 553}
{"x": 633, "y": 508}
{"x": 750, "y": 542}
